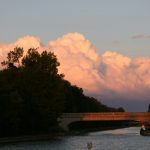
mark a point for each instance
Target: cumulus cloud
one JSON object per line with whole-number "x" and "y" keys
{"x": 109, "y": 75}
{"x": 79, "y": 60}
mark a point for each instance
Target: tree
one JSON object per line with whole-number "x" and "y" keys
{"x": 149, "y": 108}
{"x": 13, "y": 57}
{"x": 43, "y": 89}
{"x": 32, "y": 93}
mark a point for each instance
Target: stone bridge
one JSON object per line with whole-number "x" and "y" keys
{"x": 68, "y": 118}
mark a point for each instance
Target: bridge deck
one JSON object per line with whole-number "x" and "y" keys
{"x": 141, "y": 116}
{"x": 68, "y": 118}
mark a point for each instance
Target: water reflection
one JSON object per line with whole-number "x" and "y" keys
{"x": 121, "y": 139}
{"x": 125, "y": 131}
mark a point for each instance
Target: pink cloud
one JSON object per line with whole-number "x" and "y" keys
{"x": 110, "y": 74}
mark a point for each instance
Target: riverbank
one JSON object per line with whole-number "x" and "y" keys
{"x": 6, "y": 140}
{"x": 56, "y": 135}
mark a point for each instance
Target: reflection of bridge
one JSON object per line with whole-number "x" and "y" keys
{"x": 68, "y": 118}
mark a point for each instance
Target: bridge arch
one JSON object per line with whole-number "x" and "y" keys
{"x": 68, "y": 118}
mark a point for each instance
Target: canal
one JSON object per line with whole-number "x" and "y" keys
{"x": 119, "y": 139}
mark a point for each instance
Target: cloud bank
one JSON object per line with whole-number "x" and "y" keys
{"x": 109, "y": 76}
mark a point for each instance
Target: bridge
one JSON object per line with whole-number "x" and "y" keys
{"x": 68, "y": 118}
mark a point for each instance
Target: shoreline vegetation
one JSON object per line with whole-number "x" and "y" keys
{"x": 33, "y": 95}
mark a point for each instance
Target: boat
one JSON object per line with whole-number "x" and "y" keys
{"x": 145, "y": 131}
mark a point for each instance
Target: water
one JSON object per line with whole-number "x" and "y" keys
{"x": 120, "y": 139}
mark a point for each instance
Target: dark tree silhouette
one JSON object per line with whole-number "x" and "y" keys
{"x": 33, "y": 94}
{"x": 149, "y": 108}
{"x": 13, "y": 57}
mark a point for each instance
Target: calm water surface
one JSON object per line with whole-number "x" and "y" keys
{"x": 120, "y": 139}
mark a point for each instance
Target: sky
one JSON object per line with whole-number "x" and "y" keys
{"x": 106, "y": 41}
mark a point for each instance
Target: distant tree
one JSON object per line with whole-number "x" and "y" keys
{"x": 120, "y": 109}
{"x": 75, "y": 101}
{"x": 149, "y": 108}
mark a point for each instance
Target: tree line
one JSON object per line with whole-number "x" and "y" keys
{"x": 33, "y": 94}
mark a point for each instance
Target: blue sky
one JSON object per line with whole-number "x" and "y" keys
{"x": 118, "y": 25}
